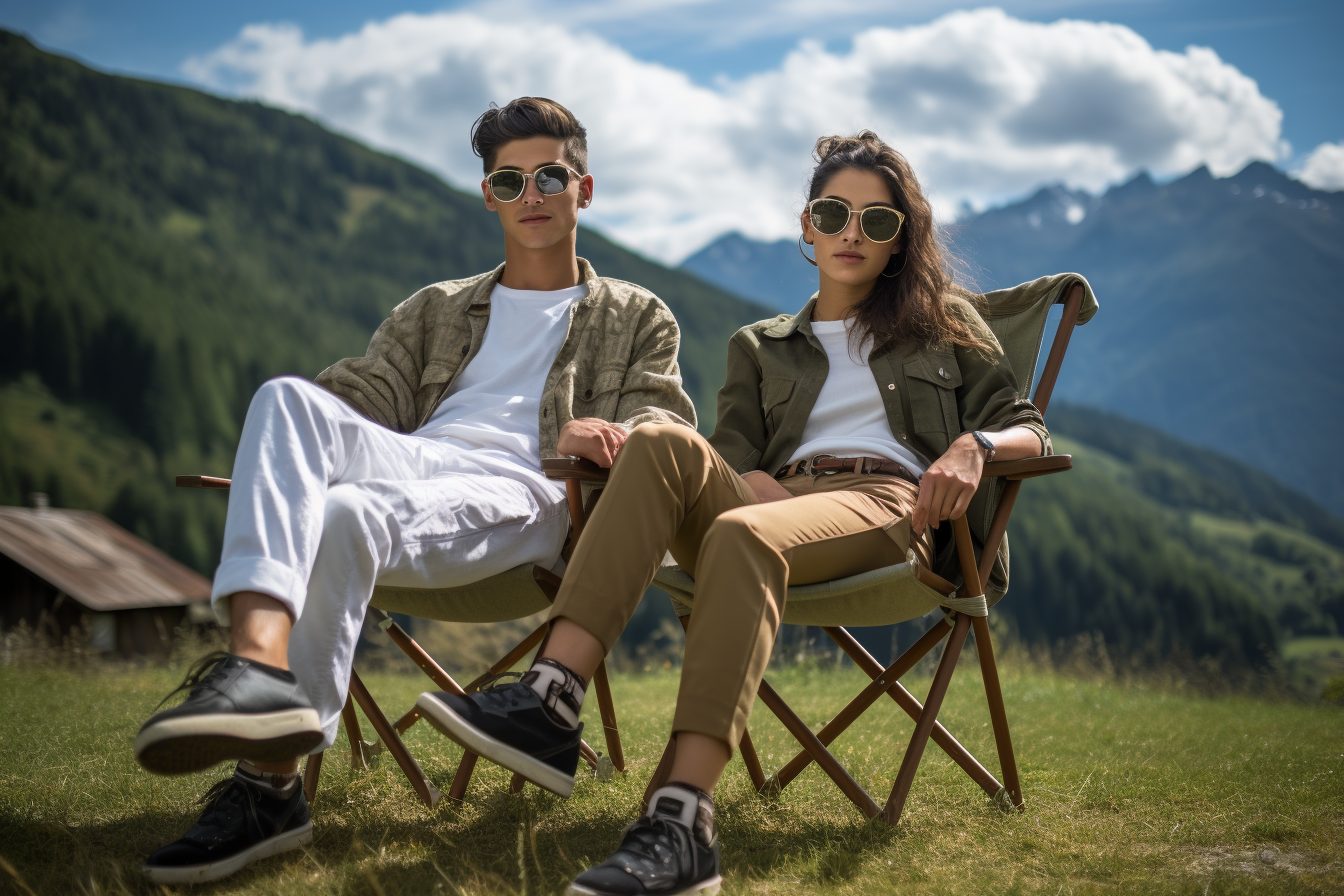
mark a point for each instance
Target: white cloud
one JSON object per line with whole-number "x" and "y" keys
{"x": 1324, "y": 168}
{"x": 986, "y": 106}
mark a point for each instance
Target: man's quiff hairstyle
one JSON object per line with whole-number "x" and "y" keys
{"x": 529, "y": 116}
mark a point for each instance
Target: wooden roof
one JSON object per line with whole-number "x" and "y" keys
{"x": 95, "y": 561}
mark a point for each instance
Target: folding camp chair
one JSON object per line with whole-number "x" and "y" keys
{"x": 515, "y": 594}
{"x": 907, "y": 591}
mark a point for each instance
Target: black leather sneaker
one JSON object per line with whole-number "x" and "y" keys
{"x": 236, "y": 709}
{"x": 242, "y": 822}
{"x": 665, "y": 852}
{"x": 507, "y": 724}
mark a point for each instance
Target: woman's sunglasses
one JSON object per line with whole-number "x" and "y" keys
{"x": 879, "y": 223}
{"x": 508, "y": 185}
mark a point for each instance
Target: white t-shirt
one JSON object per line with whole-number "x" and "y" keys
{"x": 849, "y": 419}
{"x": 493, "y": 406}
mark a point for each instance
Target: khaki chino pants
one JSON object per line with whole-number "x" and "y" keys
{"x": 669, "y": 490}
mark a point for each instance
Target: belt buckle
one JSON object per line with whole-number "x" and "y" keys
{"x": 812, "y": 462}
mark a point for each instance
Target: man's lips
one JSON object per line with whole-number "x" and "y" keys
{"x": 534, "y": 219}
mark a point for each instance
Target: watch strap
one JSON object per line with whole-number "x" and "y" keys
{"x": 985, "y": 443}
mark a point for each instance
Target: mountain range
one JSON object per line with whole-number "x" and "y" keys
{"x": 163, "y": 252}
{"x": 1222, "y": 305}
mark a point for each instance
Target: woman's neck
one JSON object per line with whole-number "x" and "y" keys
{"x": 837, "y": 301}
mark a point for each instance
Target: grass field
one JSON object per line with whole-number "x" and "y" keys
{"x": 1129, "y": 789}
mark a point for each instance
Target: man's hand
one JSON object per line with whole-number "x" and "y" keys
{"x": 946, "y": 488}
{"x": 597, "y": 440}
{"x": 766, "y": 487}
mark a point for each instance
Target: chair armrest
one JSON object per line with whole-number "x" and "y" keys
{"x": 1027, "y": 467}
{"x": 202, "y": 482}
{"x": 579, "y": 468}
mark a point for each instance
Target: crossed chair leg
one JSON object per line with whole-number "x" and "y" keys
{"x": 363, "y": 753}
{"x": 887, "y": 681}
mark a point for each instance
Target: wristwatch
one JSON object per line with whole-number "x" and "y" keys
{"x": 985, "y": 443}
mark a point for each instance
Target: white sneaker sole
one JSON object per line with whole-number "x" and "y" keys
{"x": 198, "y": 874}
{"x": 498, "y": 752}
{"x": 704, "y": 888}
{"x": 179, "y": 746}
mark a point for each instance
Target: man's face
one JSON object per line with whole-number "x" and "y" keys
{"x": 534, "y": 220}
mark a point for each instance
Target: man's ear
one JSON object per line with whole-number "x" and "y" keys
{"x": 489, "y": 197}
{"x": 585, "y": 191}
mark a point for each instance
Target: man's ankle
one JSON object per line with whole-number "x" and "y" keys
{"x": 279, "y": 784}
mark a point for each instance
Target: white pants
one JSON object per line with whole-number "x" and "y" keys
{"x": 325, "y": 503}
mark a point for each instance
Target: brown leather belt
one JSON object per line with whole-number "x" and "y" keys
{"x": 827, "y": 464}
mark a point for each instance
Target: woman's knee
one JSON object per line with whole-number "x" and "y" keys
{"x": 664, "y": 440}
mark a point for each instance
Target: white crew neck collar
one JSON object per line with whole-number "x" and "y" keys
{"x": 569, "y": 292}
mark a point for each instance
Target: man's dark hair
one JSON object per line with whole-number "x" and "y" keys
{"x": 529, "y": 116}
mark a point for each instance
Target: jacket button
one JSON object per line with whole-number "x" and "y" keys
{"x": 942, "y": 373}
{"x": 891, "y": 387}
{"x": 588, "y": 393}
{"x": 465, "y": 349}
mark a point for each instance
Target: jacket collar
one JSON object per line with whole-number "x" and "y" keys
{"x": 786, "y": 325}
{"x": 484, "y": 286}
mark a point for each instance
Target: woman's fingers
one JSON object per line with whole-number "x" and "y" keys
{"x": 919, "y": 517}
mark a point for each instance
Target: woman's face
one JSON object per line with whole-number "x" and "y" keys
{"x": 849, "y": 257}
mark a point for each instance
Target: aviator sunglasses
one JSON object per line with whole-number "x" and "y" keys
{"x": 508, "y": 185}
{"x": 879, "y": 223}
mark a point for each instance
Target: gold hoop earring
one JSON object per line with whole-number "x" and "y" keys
{"x": 810, "y": 261}
{"x": 904, "y": 260}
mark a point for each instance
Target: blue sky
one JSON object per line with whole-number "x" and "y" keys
{"x": 1275, "y": 89}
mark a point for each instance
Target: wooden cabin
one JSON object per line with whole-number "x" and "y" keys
{"x": 61, "y": 568}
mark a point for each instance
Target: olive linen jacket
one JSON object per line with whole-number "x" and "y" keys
{"x": 932, "y": 395}
{"x": 618, "y": 361}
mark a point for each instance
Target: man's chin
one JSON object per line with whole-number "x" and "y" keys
{"x": 539, "y": 239}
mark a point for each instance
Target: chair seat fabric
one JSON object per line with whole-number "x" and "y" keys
{"x": 510, "y": 595}
{"x": 877, "y": 597}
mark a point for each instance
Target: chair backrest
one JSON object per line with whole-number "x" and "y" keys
{"x": 1018, "y": 318}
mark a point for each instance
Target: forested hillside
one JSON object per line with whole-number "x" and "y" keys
{"x": 162, "y": 252}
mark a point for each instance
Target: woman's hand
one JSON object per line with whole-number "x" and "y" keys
{"x": 597, "y": 440}
{"x": 947, "y": 486}
{"x": 766, "y": 487}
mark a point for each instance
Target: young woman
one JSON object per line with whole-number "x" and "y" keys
{"x": 843, "y": 431}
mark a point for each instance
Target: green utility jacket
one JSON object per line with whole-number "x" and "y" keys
{"x": 618, "y": 361}
{"x": 932, "y": 394}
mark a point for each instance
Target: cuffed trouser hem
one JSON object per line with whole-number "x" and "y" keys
{"x": 260, "y": 574}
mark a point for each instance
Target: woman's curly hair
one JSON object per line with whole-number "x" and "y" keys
{"x": 922, "y": 303}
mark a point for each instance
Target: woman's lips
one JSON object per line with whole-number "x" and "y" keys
{"x": 851, "y": 257}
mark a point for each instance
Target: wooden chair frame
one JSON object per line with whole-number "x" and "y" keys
{"x": 363, "y": 754}
{"x": 975, "y": 572}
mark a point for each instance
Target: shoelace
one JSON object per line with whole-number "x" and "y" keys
{"x": 202, "y": 672}
{"x": 496, "y": 690}
{"x": 645, "y": 833}
{"x": 232, "y": 791}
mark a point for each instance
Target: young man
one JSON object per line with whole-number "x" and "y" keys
{"x": 417, "y": 465}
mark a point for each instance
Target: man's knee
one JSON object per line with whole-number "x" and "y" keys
{"x": 281, "y": 391}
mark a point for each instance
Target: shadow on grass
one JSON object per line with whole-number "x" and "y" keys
{"x": 495, "y": 843}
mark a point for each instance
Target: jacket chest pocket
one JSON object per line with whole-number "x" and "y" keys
{"x": 775, "y": 394}
{"x": 600, "y": 396}
{"x": 932, "y": 379}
